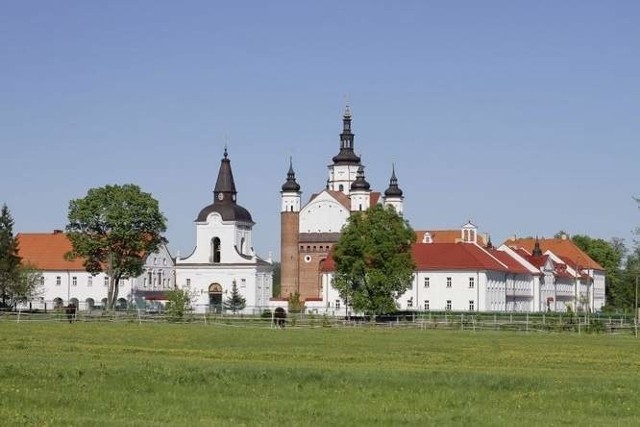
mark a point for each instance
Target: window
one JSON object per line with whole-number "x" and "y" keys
{"x": 216, "y": 249}
{"x": 472, "y": 282}
{"x": 410, "y": 303}
{"x": 426, "y": 304}
{"x": 243, "y": 283}
{"x": 448, "y": 282}
{"x": 74, "y": 281}
{"x": 149, "y": 279}
{"x": 159, "y": 278}
{"x": 144, "y": 283}
{"x": 337, "y": 304}
{"x": 155, "y": 260}
{"x": 90, "y": 281}
{"x": 472, "y": 305}
{"x": 448, "y": 306}
{"x": 41, "y": 280}
{"x": 426, "y": 282}
{"x": 188, "y": 282}
{"x": 58, "y": 280}
{"x": 106, "y": 280}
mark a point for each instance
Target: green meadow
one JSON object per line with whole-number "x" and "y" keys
{"x": 161, "y": 374}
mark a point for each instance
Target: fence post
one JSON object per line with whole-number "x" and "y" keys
{"x": 526, "y": 326}
{"x": 462, "y": 321}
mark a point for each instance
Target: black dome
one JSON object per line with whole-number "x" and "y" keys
{"x": 290, "y": 186}
{"x": 228, "y": 212}
{"x": 360, "y": 183}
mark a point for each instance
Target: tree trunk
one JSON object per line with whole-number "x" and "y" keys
{"x": 112, "y": 293}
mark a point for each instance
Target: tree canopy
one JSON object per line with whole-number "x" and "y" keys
{"x": 374, "y": 265}
{"x": 114, "y": 228}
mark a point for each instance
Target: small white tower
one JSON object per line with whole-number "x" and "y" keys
{"x": 290, "y": 193}
{"x": 360, "y": 192}
{"x": 393, "y": 194}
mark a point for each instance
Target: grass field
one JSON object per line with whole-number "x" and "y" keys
{"x": 168, "y": 374}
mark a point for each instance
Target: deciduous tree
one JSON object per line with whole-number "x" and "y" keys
{"x": 113, "y": 228}
{"x": 373, "y": 260}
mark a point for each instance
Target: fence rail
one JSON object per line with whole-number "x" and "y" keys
{"x": 550, "y": 323}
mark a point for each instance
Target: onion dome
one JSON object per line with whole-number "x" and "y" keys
{"x": 393, "y": 190}
{"x": 224, "y": 197}
{"x": 360, "y": 183}
{"x": 291, "y": 185}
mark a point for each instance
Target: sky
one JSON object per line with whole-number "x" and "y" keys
{"x": 521, "y": 116}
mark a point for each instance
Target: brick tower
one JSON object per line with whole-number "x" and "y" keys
{"x": 289, "y": 233}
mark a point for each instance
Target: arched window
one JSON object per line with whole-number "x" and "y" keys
{"x": 215, "y": 250}
{"x": 341, "y": 187}
{"x": 242, "y": 242}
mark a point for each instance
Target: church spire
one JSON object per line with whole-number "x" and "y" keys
{"x": 393, "y": 190}
{"x": 346, "y": 154}
{"x": 225, "y": 189}
{"x": 536, "y": 248}
{"x": 291, "y": 184}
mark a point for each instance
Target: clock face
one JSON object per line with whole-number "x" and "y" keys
{"x": 220, "y": 196}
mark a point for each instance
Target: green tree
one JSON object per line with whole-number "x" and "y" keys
{"x": 113, "y": 228}
{"x": 610, "y": 255}
{"x": 235, "y": 302}
{"x": 178, "y": 303}
{"x": 295, "y": 303}
{"x": 373, "y": 260}
{"x": 28, "y": 286}
{"x": 276, "y": 279}
{"x": 9, "y": 258}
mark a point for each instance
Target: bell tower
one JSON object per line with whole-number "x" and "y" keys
{"x": 290, "y": 196}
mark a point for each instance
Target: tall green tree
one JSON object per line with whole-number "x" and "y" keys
{"x": 277, "y": 278}
{"x": 374, "y": 265}
{"x": 9, "y": 258}
{"x": 610, "y": 255}
{"x": 235, "y": 302}
{"x": 113, "y": 228}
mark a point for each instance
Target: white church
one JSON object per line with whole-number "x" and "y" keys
{"x": 224, "y": 254}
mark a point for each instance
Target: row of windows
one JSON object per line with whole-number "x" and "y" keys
{"x": 314, "y": 248}
{"x": 427, "y": 306}
{"x": 472, "y": 282}
{"x": 74, "y": 281}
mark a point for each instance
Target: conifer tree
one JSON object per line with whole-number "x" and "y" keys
{"x": 9, "y": 258}
{"x": 235, "y": 302}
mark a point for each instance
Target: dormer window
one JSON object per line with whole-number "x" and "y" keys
{"x": 427, "y": 238}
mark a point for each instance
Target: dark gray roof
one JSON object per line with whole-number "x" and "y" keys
{"x": 228, "y": 212}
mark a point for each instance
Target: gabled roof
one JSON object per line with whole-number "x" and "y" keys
{"x": 339, "y": 196}
{"x": 446, "y": 236}
{"x": 454, "y": 256}
{"x": 444, "y": 256}
{"x": 46, "y": 251}
{"x": 513, "y": 265}
{"x": 562, "y": 247}
{"x": 343, "y": 199}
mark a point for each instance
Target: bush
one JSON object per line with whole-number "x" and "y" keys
{"x": 266, "y": 314}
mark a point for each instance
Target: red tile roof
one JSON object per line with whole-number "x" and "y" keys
{"x": 444, "y": 256}
{"x": 562, "y": 247}
{"x": 446, "y": 236}
{"x": 46, "y": 251}
{"x": 513, "y": 265}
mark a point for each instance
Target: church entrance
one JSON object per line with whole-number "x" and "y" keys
{"x": 215, "y": 298}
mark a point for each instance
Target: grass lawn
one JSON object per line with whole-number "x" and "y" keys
{"x": 168, "y": 374}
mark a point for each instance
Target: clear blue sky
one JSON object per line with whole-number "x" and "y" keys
{"x": 523, "y": 116}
